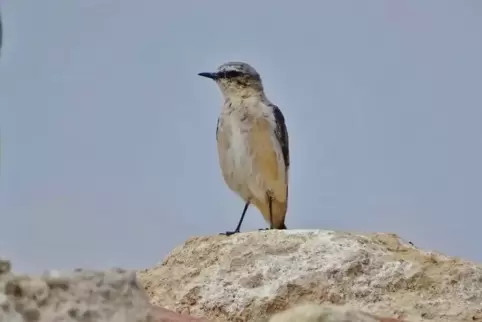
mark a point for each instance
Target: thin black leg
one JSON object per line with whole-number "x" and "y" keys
{"x": 238, "y": 227}
{"x": 270, "y": 203}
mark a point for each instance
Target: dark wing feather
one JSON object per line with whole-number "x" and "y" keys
{"x": 282, "y": 134}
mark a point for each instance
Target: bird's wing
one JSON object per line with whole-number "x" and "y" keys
{"x": 268, "y": 140}
{"x": 281, "y": 133}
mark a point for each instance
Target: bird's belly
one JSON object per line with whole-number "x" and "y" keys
{"x": 237, "y": 164}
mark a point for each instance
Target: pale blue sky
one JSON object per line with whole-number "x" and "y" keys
{"x": 108, "y": 134}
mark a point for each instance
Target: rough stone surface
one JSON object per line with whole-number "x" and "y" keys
{"x": 326, "y": 313}
{"x": 248, "y": 276}
{"x": 82, "y": 295}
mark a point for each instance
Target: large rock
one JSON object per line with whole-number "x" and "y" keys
{"x": 250, "y": 276}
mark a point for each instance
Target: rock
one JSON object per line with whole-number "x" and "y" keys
{"x": 327, "y": 313}
{"x": 162, "y": 315}
{"x": 81, "y": 295}
{"x": 251, "y": 276}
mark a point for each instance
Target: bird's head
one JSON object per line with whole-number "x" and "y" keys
{"x": 236, "y": 78}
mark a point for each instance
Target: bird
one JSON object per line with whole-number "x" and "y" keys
{"x": 252, "y": 143}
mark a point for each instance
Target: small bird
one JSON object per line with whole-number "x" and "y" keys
{"x": 252, "y": 143}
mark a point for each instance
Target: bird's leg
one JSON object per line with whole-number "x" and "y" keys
{"x": 270, "y": 203}
{"x": 238, "y": 228}
{"x": 270, "y": 200}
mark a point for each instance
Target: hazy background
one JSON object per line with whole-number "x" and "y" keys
{"x": 108, "y": 135}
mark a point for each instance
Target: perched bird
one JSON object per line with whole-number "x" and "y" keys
{"x": 252, "y": 143}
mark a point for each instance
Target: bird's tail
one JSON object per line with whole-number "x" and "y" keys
{"x": 279, "y": 212}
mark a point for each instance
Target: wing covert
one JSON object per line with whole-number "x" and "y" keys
{"x": 281, "y": 133}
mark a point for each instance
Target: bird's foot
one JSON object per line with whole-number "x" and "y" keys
{"x": 262, "y": 229}
{"x": 229, "y": 233}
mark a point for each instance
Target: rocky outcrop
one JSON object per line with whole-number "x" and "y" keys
{"x": 262, "y": 276}
{"x": 251, "y": 276}
{"x": 81, "y": 295}
{"x": 115, "y": 295}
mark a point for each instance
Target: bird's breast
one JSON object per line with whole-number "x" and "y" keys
{"x": 234, "y": 151}
{"x": 239, "y": 146}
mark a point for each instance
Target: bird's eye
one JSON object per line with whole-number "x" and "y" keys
{"x": 232, "y": 73}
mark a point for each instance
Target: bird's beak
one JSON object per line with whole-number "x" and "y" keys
{"x": 209, "y": 75}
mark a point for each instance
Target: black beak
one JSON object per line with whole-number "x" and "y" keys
{"x": 209, "y": 75}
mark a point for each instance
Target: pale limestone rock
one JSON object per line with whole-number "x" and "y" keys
{"x": 326, "y": 313}
{"x": 250, "y": 276}
{"x": 112, "y": 295}
{"x": 81, "y": 295}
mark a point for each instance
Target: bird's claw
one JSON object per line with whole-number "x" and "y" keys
{"x": 229, "y": 233}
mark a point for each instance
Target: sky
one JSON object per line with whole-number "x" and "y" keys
{"x": 108, "y": 135}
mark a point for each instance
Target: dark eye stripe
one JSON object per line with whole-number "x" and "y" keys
{"x": 231, "y": 74}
